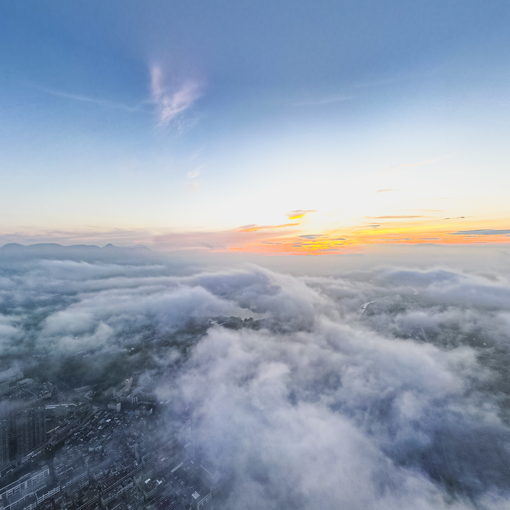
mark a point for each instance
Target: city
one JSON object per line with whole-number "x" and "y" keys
{"x": 80, "y": 450}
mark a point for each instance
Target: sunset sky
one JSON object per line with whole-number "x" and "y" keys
{"x": 269, "y": 127}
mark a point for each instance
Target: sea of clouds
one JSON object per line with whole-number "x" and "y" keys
{"x": 380, "y": 389}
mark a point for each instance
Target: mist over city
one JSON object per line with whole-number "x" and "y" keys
{"x": 254, "y": 255}
{"x": 383, "y": 389}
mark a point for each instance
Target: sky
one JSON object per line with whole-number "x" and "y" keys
{"x": 270, "y": 127}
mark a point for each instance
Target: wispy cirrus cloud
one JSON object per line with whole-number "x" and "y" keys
{"x": 193, "y": 178}
{"x": 323, "y": 100}
{"x": 171, "y": 102}
{"x": 106, "y": 103}
{"x": 257, "y": 228}
{"x": 298, "y": 214}
{"x": 482, "y": 232}
{"x": 395, "y": 217}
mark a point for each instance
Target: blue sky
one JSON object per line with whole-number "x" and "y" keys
{"x": 206, "y": 116}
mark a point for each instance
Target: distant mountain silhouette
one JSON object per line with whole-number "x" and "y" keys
{"x": 87, "y": 252}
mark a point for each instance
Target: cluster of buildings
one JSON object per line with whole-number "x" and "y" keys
{"x": 107, "y": 452}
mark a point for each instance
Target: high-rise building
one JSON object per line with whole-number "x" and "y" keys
{"x": 4, "y": 442}
{"x": 29, "y": 430}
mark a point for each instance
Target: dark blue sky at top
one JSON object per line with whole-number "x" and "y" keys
{"x": 249, "y": 53}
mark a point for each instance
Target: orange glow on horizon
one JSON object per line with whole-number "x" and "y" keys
{"x": 346, "y": 240}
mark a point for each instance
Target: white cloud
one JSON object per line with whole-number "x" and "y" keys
{"x": 322, "y": 406}
{"x": 171, "y": 102}
{"x": 194, "y": 174}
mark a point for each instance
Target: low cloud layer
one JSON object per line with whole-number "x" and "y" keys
{"x": 379, "y": 389}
